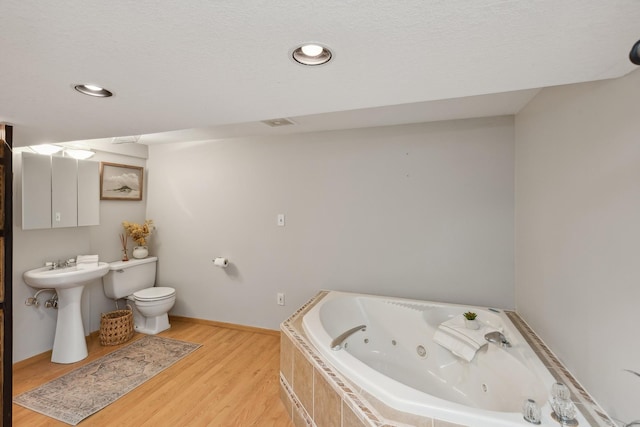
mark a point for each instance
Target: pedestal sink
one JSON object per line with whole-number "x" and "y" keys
{"x": 69, "y": 344}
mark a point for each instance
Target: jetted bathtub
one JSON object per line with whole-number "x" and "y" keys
{"x": 396, "y": 361}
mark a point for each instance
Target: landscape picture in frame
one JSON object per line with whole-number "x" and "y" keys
{"x": 121, "y": 182}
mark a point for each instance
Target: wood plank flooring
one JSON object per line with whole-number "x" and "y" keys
{"x": 232, "y": 380}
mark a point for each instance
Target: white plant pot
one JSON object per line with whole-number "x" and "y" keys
{"x": 472, "y": 324}
{"x": 140, "y": 252}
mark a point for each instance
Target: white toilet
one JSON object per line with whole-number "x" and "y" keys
{"x": 134, "y": 280}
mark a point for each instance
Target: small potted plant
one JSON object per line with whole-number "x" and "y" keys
{"x": 470, "y": 320}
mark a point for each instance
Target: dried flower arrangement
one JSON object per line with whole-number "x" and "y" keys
{"x": 139, "y": 232}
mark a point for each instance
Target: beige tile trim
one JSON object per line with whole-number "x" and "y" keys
{"x": 349, "y": 396}
{"x": 297, "y": 406}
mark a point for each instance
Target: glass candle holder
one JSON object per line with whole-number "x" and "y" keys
{"x": 531, "y": 411}
{"x": 564, "y": 409}
{"x": 560, "y": 391}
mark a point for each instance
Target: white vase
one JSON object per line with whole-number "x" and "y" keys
{"x": 140, "y": 252}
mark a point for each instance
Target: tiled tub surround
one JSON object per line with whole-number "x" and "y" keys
{"x": 317, "y": 394}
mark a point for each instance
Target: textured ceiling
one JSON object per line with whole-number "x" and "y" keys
{"x": 219, "y": 67}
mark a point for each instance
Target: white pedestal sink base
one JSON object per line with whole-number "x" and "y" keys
{"x": 69, "y": 344}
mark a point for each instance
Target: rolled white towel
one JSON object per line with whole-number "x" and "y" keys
{"x": 455, "y": 345}
{"x": 475, "y": 337}
{"x": 461, "y": 341}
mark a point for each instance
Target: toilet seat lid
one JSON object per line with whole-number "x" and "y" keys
{"x": 155, "y": 293}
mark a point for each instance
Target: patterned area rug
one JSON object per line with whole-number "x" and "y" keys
{"x": 86, "y": 390}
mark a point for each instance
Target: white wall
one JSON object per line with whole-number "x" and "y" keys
{"x": 34, "y": 327}
{"x": 420, "y": 211}
{"x": 578, "y": 232}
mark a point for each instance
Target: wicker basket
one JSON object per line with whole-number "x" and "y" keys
{"x": 116, "y": 327}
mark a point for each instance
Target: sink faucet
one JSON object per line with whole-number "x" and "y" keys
{"x": 497, "y": 338}
{"x": 54, "y": 265}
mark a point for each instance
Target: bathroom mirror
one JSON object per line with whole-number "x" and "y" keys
{"x": 59, "y": 192}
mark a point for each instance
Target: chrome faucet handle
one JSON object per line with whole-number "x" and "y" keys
{"x": 497, "y": 337}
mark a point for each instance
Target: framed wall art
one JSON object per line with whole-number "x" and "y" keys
{"x": 121, "y": 182}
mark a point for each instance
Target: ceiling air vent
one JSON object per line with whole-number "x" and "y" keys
{"x": 274, "y": 123}
{"x": 125, "y": 139}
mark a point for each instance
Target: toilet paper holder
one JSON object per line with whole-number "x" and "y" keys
{"x": 221, "y": 262}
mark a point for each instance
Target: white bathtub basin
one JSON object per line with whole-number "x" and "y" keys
{"x": 385, "y": 360}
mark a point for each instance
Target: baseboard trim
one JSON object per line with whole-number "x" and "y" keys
{"x": 225, "y": 325}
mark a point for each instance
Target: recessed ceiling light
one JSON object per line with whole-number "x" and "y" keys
{"x": 311, "y": 49}
{"x": 93, "y": 90}
{"x": 312, "y": 54}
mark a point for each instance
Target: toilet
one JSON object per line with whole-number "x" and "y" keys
{"x": 134, "y": 280}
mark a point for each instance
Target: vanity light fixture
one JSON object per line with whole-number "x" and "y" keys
{"x": 93, "y": 90}
{"x": 46, "y": 149}
{"x": 79, "y": 154}
{"x": 50, "y": 149}
{"x": 312, "y": 54}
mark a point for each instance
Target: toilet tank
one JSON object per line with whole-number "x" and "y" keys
{"x": 127, "y": 277}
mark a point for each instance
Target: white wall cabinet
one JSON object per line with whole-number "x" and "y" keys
{"x": 64, "y": 192}
{"x": 59, "y": 192}
{"x": 88, "y": 193}
{"x": 36, "y": 191}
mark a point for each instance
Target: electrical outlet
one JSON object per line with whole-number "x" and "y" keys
{"x": 280, "y": 298}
